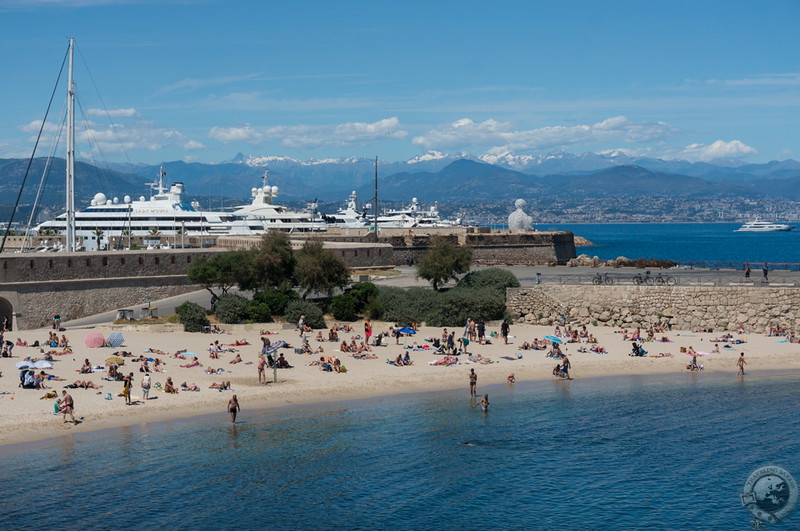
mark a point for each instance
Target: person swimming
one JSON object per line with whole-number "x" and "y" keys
{"x": 484, "y": 403}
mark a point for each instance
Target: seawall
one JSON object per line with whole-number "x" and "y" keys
{"x": 685, "y": 307}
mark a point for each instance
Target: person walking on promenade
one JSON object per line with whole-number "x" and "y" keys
{"x": 765, "y": 270}
{"x": 473, "y": 383}
{"x": 747, "y": 272}
{"x": 741, "y": 363}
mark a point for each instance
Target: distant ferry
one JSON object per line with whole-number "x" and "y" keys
{"x": 763, "y": 226}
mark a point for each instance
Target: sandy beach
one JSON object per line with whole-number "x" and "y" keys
{"x": 24, "y": 416}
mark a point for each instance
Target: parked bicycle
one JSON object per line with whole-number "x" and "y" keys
{"x": 660, "y": 279}
{"x": 604, "y": 278}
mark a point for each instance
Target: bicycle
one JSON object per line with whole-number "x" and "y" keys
{"x": 665, "y": 280}
{"x": 640, "y": 279}
{"x": 602, "y": 279}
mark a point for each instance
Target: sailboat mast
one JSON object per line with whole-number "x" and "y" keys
{"x": 70, "y": 206}
{"x": 375, "y": 202}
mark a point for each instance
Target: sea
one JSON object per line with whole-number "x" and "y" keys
{"x": 700, "y": 244}
{"x": 627, "y": 452}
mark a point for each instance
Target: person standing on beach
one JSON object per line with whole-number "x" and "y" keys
{"x": 473, "y": 383}
{"x": 565, "y": 367}
{"x": 368, "y": 332}
{"x": 127, "y": 384}
{"x": 146, "y": 386}
{"x": 505, "y": 328}
{"x": 262, "y": 367}
{"x": 741, "y": 363}
{"x": 481, "y": 332}
{"x": 67, "y": 406}
{"x": 301, "y": 324}
{"x": 233, "y": 408}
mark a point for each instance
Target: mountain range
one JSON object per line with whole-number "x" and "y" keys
{"x": 432, "y": 177}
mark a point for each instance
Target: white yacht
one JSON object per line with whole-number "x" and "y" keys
{"x": 167, "y": 214}
{"x": 414, "y": 216}
{"x": 351, "y": 216}
{"x": 763, "y": 226}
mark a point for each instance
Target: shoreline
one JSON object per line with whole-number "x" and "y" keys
{"x": 24, "y": 418}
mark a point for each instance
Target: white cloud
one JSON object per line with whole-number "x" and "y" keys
{"x": 309, "y": 136}
{"x": 501, "y": 136}
{"x": 193, "y": 144}
{"x": 114, "y": 113}
{"x": 717, "y": 150}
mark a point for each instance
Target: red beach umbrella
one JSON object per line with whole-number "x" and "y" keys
{"x": 94, "y": 340}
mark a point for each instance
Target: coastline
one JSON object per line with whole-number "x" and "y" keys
{"x": 25, "y": 418}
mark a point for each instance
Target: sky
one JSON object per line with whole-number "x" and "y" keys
{"x": 204, "y": 80}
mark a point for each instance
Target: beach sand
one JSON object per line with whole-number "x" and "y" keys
{"x": 24, "y": 417}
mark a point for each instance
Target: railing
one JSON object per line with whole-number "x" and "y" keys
{"x": 707, "y": 280}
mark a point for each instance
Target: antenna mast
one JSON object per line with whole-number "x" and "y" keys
{"x": 70, "y": 154}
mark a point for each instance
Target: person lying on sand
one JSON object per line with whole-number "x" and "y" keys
{"x": 192, "y": 387}
{"x": 237, "y": 359}
{"x": 221, "y": 385}
{"x": 84, "y": 385}
{"x": 156, "y": 351}
{"x": 195, "y": 363}
{"x": 21, "y": 343}
{"x": 212, "y": 370}
{"x": 49, "y": 395}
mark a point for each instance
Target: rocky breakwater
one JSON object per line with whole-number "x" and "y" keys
{"x": 685, "y": 307}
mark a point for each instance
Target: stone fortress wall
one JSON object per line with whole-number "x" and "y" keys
{"x": 686, "y": 307}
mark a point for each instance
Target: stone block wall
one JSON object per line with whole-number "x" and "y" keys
{"x": 686, "y": 307}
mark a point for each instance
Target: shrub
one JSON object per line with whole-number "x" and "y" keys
{"x": 314, "y": 317}
{"x": 493, "y": 277}
{"x": 192, "y": 316}
{"x": 259, "y": 312}
{"x": 403, "y": 306}
{"x": 231, "y": 309}
{"x": 343, "y": 307}
{"x": 276, "y": 300}
{"x": 454, "y": 307}
{"x": 362, "y": 293}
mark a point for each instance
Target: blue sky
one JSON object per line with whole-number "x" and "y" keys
{"x": 204, "y": 80}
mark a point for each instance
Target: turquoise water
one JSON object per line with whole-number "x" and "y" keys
{"x": 686, "y": 242}
{"x": 623, "y": 453}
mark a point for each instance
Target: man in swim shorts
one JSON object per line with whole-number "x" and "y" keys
{"x": 67, "y": 407}
{"x": 741, "y": 363}
{"x": 233, "y": 408}
{"x": 473, "y": 383}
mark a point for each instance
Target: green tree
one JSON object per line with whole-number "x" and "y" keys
{"x": 221, "y": 271}
{"x": 444, "y": 261}
{"x": 318, "y": 269}
{"x": 273, "y": 264}
{"x": 192, "y": 316}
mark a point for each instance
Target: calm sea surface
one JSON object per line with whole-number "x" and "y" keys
{"x": 610, "y": 453}
{"x": 686, "y": 242}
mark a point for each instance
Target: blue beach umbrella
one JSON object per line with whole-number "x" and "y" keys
{"x": 116, "y": 339}
{"x": 406, "y": 330}
{"x": 553, "y": 339}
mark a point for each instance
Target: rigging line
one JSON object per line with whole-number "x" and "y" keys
{"x": 90, "y": 132}
{"x": 30, "y": 161}
{"x": 105, "y": 108}
{"x": 45, "y": 174}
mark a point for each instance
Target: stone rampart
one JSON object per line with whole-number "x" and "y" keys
{"x": 686, "y": 307}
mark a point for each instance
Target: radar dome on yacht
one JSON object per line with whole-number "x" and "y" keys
{"x": 115, "y": 200}
{"x": 127, "y": 199}
{"x": 108, "y": 201}
{"x": 141, "y": 198}
{"x": 274, "y": 190}
{"x": 254, "y": 191}
{"x": 93, "y": 203}
{"x": 99, "y": 198}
